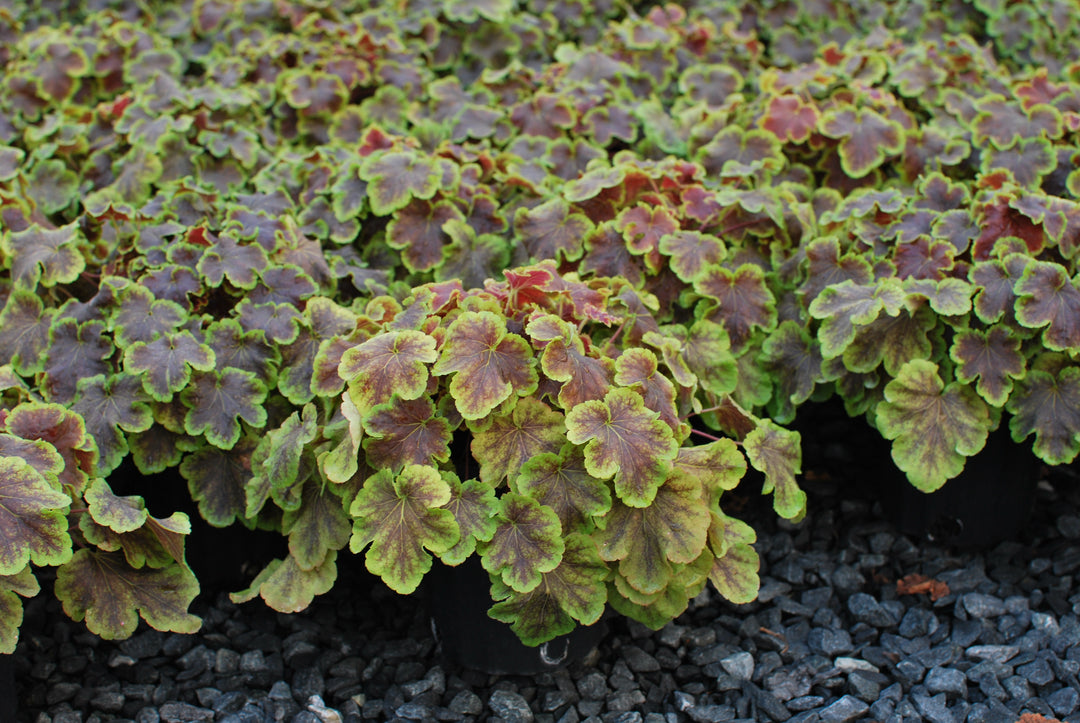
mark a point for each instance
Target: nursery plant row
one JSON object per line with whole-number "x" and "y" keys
{"x": 426, "y": 281}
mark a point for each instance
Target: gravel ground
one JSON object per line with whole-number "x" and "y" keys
{"x": 830, "y": 639}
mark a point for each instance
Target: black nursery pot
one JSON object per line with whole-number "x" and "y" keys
{"x": 990, "y": 501}
{"x": 459, "y": 598}
{"x": 8, "y": 702}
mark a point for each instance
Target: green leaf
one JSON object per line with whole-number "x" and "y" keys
{"x": 718, "y": 465}
{"x": 51, "y": 256}
{"x": 625, "y": 439}
{"x": 844, "y": 307}
{"x": 341, "y": 462}
{"x": 474, "y": 506}
{"x": 512, "y": 439}
{"x": 527, "y": 542}
{"x": 279, "y": 465}
{"x": 11, "y": 610}
{"x": 217, "y": 401}
{"x": 735, "y": 568}
{"x": 776, "y": 452}
{"x": 934, "y": 426}
{"x": 401, "y": 517}
{"x": 120, "y": 514}
{"x": 1047, "y": 403}
{"x": 573, "y": 591}
{"x": 638, "y": 368}
{"x": 288, "y": 588}
{"x": 647, "y": 540}
{"x": 489, "y": 363}
{"x": 893, "y": 340}
{"x": 166, "y": 362}
{"x": 387, "y": 364}
{"x": 564, "y": 360}
{"x": 110, "y": 595}
{"x": 561, "y": 482}
{"x": 33, "y": 525}
{"x": 318, "y": 528}
{"x": 794, "y": 359}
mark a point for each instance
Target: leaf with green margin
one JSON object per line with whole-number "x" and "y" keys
{"x": 593, "y": 182}
{"x": 583, "y": 378}
{"x": 1047, "y": 403}
{"x": 552, "y": 230}
{"x": 40, "y": 455}
{"x": 32, "y": 518}
{"x": 573, "y": 591}
{"x": 109, "y": 407}
{"x": 280, "y": 463}
{"x": 247, "y": 351}
{"x": 141, "y": 317}
{"x": 743, "y": 300}
{"x": 119, "y": 514}
{"x": 417, "y": 231}
{"x": 226, "y": 258}
{"x": 340, "y": 463}
{"x": 717, "y": 465}
{"x": 10, "y": 160}
{"x": 776, "y": 452}
{"x": 948, "y": 297}
{"x": 643, "y": 226}
{"x": 735, "y": 568}
{"x": 396, "y": 177}
{"x": 406, "y": 431}
{"x": 893, "y": 340}
{"x": 638, "y": 368}
{"x": 527, "y": 542}
{"x": 319, "y": 527}
{"x": 690, "y": 253}
{"x": 510, "y": 440}
{"x": 217, "y": 401}
{"x": 401, "y": 517}
{"x": 387, "y": 364}
{"x": 1048, "y": 297}
{"x": 934, "y": 426}
{"x": 995, "y": 280}
{"x": 741, "y": 152}
{"x": 843, "y": 307}
{"x": 561, "y": 482}
{"x": 110, "y": 595}
{"x": 866, "y": 137}
{"x": 286, "y": 587}
{"x": 11, "y": 610}
{"x": 76, "y": 351}
{"x": 474, "y": 506}
{"x": 278, "y": 323}
{"x": 216, "y": 480}
{"x": 648, "y": 540}
{"x": 497, "y": 11}
{"x": 24, "y": 331}
{"x": 48, "y": 256}
{"x": 166, "y": 362}
{"x": 489, "y": 363}
{"x": 827, "y": 266}
{"x": 625, "y": 439}
{"x": 993, "y": 356}
{"x": 65, "y": 431}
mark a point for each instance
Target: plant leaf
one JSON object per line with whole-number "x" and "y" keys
{"x": 1047, "y": 403}
{"x": 32, "y": 518}
{"x": 718, "y": 465}
{"x": 1049, "y": 298}
{"x": 217, "y": 401}
{"x": 647, "y": 540}
{"x": 735, "y": 568}
{"x": 561, "y": 482}
{"x": 387, "y": 364}
{"x": 396, "y": 177}
{"x": 216, "y": 480}
{"x": 775, "y": 451}
{"x": 845, "y": 306}
{"x": 286, "y": 587}
{"x": 993, "y": 356}
{"x": 111, "y": 596}
{"x": 318, "y": 528}
{"x": 488, "y": 362}
{"x": 743, "y": 300}
{"x": 474, "y": 506}
{"x": 512, "y": 439}
{"x": 24, "y": 331}
{"x": 527, "y": 542}
{"x": 552, "y": 230}
{"x": 406, "y": 431}
{"x": 401, "y": 517}
{"x": 166, "y": 362}
{"x": 624, "y": 439}
{"x": 48, "y": 256}
{"x": 934, "y": 426}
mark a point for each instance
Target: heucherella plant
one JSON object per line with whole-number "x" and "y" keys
{"x": 522, "y": 422}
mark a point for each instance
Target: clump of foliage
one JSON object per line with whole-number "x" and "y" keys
{"x": 266, "y": 243}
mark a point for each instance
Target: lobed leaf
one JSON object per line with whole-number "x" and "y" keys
{"x": 510, "y": 440}
{"x": 1049, "y": 298}
{"x": 993, "y": 356}
{"x": 1047, "y": 404}
{"x": 217, "y": 401}
{"x": 33, "y": 525}
{"x": 385, "y": 365}
{"x": 775, "y": 451}
{"x": 165, "y": 363}
{"x": 527, "y": 542}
